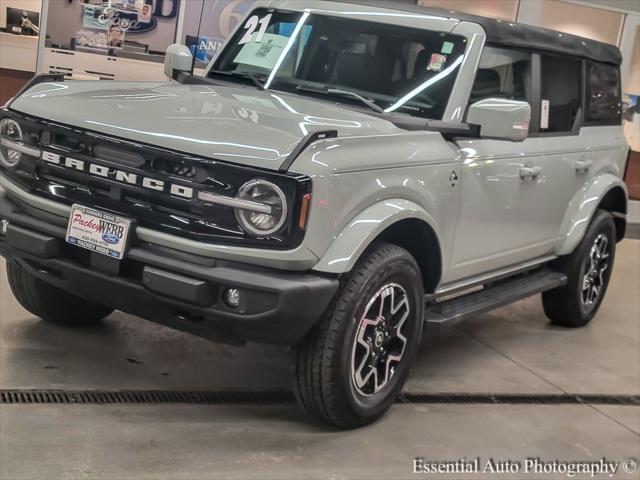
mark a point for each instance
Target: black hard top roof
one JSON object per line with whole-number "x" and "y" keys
{"x": 511, "y": 34}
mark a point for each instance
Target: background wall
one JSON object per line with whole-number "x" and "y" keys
{"x": 586, "y": 21}
{"x": 503, "y": 9}
{"x": 630, "y": 46}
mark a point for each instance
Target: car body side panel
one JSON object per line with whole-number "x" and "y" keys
{"x": 563, "y": 182}
{"x": 404, "y": 175}
{"x": 606, "y": 153}
{"x": 499, "y": 217}
{"x": 362, "y": 231}
{"x": 581, "y": 210}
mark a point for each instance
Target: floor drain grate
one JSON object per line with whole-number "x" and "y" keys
{"x": 104, "y": 397}
{"x": 100, "y": 397}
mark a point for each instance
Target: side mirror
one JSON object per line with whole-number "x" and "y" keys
{"x": 177, "y": 59}
{"x": 501, "y": 119}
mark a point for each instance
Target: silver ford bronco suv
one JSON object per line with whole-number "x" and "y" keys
{"x": 341, "y": 175}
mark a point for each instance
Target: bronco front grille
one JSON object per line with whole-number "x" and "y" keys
{"x": 177, "y": 213}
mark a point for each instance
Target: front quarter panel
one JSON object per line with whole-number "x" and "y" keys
{"x": 349, "y": 245}
{"x": 362, "y": 185}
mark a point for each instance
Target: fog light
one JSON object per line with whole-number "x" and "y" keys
{"x": 232, "y": 297}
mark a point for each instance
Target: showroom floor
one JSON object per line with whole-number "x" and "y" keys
{"x": 511, "y": 351}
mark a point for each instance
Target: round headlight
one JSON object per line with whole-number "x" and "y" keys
{"x": 11, "y": 130}
{"x": 257, "y": 222}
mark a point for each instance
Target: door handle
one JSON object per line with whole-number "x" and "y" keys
{"x": 583, "y": 165}
{"x": 529, "y": 173}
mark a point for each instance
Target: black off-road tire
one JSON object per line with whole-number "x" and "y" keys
{"x": 323, "y": 371}
{"x": 565, "y": 306}
{"x": 51, "y": 303}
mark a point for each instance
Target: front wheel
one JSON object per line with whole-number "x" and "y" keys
{"x": 588, "y": 271}
{"x": 52, "y": 303}
{"x": 352, "y": 365}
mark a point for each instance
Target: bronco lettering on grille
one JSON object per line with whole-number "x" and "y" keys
{"x": 121, "y": 176}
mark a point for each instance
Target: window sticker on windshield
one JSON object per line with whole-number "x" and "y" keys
{"x": 262, "y": 54}
{"x": 252, "y": 25}
{"x": 447, "y": 48}
{"x": 437, "y": 62}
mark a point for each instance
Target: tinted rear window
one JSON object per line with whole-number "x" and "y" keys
{"x": 560, "y": 89}
{"x": 603, "y": 93}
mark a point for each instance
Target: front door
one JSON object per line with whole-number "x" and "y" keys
{"x": 500, "y": 219}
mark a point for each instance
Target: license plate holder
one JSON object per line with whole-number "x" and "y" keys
{"x": 98, "y": 231}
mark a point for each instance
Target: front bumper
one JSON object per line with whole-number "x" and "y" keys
{"x": 180, "y": 290}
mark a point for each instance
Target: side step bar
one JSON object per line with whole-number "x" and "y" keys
{"x": 493, "y": 296}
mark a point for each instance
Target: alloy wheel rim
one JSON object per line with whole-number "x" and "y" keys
{"x": 597, "y": 263}
{"x": 380, "y": 344}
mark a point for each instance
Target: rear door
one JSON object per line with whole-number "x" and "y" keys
{"x": 558, "y": 116}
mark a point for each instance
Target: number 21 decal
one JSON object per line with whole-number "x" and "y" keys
{"x": 251, "y": 26}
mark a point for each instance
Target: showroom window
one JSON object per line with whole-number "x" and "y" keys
{"x": 560, "y": 93}
{"x": 503, "y": 73}
{"x": 603, "y": 93}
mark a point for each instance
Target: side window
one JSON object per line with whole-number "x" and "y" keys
{"x": 502, "y": 73}
{"x": 560, "y": 93}
{"x": 603, "y": 93}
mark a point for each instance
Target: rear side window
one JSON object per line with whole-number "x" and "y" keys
{"x": 603, "y": 93}
{"x": 560, "y": 93}
{"x": 502, "y": 73}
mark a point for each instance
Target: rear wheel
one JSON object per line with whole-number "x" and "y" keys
{"x": 52, "y": 303}
{"x": 352, "y": 365}
{"x": 588, "y": 271}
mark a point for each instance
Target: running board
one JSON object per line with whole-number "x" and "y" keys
{"x": 494, "y": 296}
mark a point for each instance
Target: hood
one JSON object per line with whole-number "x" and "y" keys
{"x": 235, "y": 123}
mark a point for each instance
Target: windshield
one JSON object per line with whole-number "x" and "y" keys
{"x": 397, "y": 68}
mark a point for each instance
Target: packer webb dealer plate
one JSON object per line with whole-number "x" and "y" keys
{"x": 100, "y": 232}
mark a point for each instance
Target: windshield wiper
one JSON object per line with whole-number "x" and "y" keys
{"x": 342, "y": 93}
{"x": 249, "y": 76}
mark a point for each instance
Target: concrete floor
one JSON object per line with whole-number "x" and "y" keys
{"x": 512, "y": 350}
